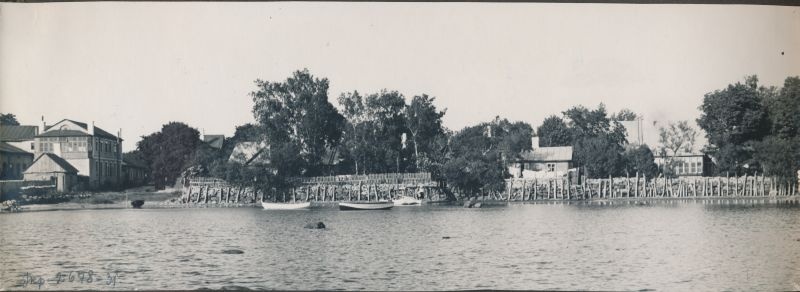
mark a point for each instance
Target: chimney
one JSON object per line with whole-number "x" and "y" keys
{"x": 91, "y": 128}
{"x": 42, "y": 126}
{"x": 534, "y": 142}
{"x": 202, "y": 134}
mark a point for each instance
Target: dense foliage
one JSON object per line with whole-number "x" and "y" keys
{"x": 169, "y": 151}
{"x": 8, "y": 120}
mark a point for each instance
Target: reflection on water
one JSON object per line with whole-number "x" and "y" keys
{"x": 665, "y": 245}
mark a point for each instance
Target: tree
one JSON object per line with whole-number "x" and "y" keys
{"x": 376, "y": 125}
{"x": 601, "y": 157}
{"x": 475, "y": 166}
{"x": 784, "y": 109}
{"x": 598, "y": 141}
{"x": 778, "y": 156}
{"x": 424, "y": 123}
{"x": 8, "y": 119}
{"x": 676, "y": 137}
{"x": 625, "y": 115}
{"x": 168, "y": 151}
{"x": 554, "y": 132}
{"x": 640, "y": 159}
{"x": 296, "y": 111}
{"x": 731, "y": 118}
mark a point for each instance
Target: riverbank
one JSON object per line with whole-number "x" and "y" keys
{"x": 173, "y": 204}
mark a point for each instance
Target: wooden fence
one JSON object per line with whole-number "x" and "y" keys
{"x": 327, "y": 188}
{"x": 642, "y": 187}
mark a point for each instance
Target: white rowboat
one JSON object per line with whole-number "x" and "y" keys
{"x": 285, "y": 206}
{"x": 379, "y": 205}
{"x": 407, "y": 201}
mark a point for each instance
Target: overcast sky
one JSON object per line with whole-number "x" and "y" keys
{"x": 137, "y": 66}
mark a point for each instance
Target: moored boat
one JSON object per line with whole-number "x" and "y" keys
{"x": 285, "y": 206}
{"x": 376, "y": 205}
{"x": 407, "y": 201}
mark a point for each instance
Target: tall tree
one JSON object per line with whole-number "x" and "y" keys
{"x": 168, "y": 151}
{"x": 731, "y": 118}
{"x": 676, "y": 137}
{"x": 424, "y": 123}
{"x": 598, "y": 141}
{"x": 784, "y": 109}
{"x": 475, "y": 166}
{"x": 554, "y": 132}
{"x": 296, "y": 111}
{"x": 8, "y": 119}
{"x": 625, "y": 115}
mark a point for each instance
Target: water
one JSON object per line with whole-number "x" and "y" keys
{"x": 661, "y": 246}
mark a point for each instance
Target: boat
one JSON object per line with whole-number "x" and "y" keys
{"x": 374, "y": 205}
{"x": 137, "y": 204}
{"x": 285, "y": 206}
{"x": 407, "y": 201}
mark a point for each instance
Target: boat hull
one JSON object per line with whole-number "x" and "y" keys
{"x": 353, "y": 206}
{"x": 285, "y": 206}
{"x": 407, "y": 201}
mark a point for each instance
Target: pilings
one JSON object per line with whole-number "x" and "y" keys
{"x": 639, "y": 186}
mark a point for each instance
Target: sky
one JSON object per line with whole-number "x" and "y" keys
{"x": 136, "y": 66}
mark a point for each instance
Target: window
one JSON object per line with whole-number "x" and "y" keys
{"x": 551, "y": 167}
{"x": 32, "y": 145}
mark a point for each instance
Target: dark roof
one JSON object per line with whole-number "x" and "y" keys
{"x": 8, "y": 148}
{"x": 133, "y": 162}
{"x": 71, "y": 133}
{"x": 562, "y": 153}
{"x": 214, "y": 141}
{"x": 17, "y": 133}
{"x": 250, "y": 153}
{"x": 58, "y": 160}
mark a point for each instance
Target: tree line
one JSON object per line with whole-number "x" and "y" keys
{"x": 749, "y": 128}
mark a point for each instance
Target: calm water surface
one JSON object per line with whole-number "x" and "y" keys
{"x": 660, "y": 246}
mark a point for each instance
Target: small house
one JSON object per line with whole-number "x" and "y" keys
{"x": 51, "y": 167}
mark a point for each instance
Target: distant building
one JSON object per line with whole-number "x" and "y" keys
{"x": 94, "y": 152}
{"x": 16, "y": 150}
{"x": 251, "y": 154}
{"x": 134, "y": 172}
{"x": 215, "y": 141}
{"x": 545, "y": 159}
{"x": 49, "y": 166}
{"x": 692, "y": 163}
{"x": 21, "y": 137}
{"x": 14, "y": 161}
{"x": 688, "y": 164}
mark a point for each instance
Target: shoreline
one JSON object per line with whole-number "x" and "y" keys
{"x": 329, "y": 204}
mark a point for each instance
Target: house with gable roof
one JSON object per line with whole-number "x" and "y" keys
{"x": 95, "y": 153}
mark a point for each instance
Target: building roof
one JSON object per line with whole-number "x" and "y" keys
{"x": 215, "y": 141}
{"x": 11, "y": 149}
{"x": 17, "y": 133}
{"x": 59, "y": 164}
{"x": 547, "y": 154}
{"x": 72, "y": 133}
{"x": 248, "y": 153}
{"x": 133, "y": 162}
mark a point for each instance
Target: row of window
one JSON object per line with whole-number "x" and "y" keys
{"x": 548, "y": 166}
{"x": 688, "y": 167}
{"x": 105, "y": 169}
{"x": 79, "y": 146}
